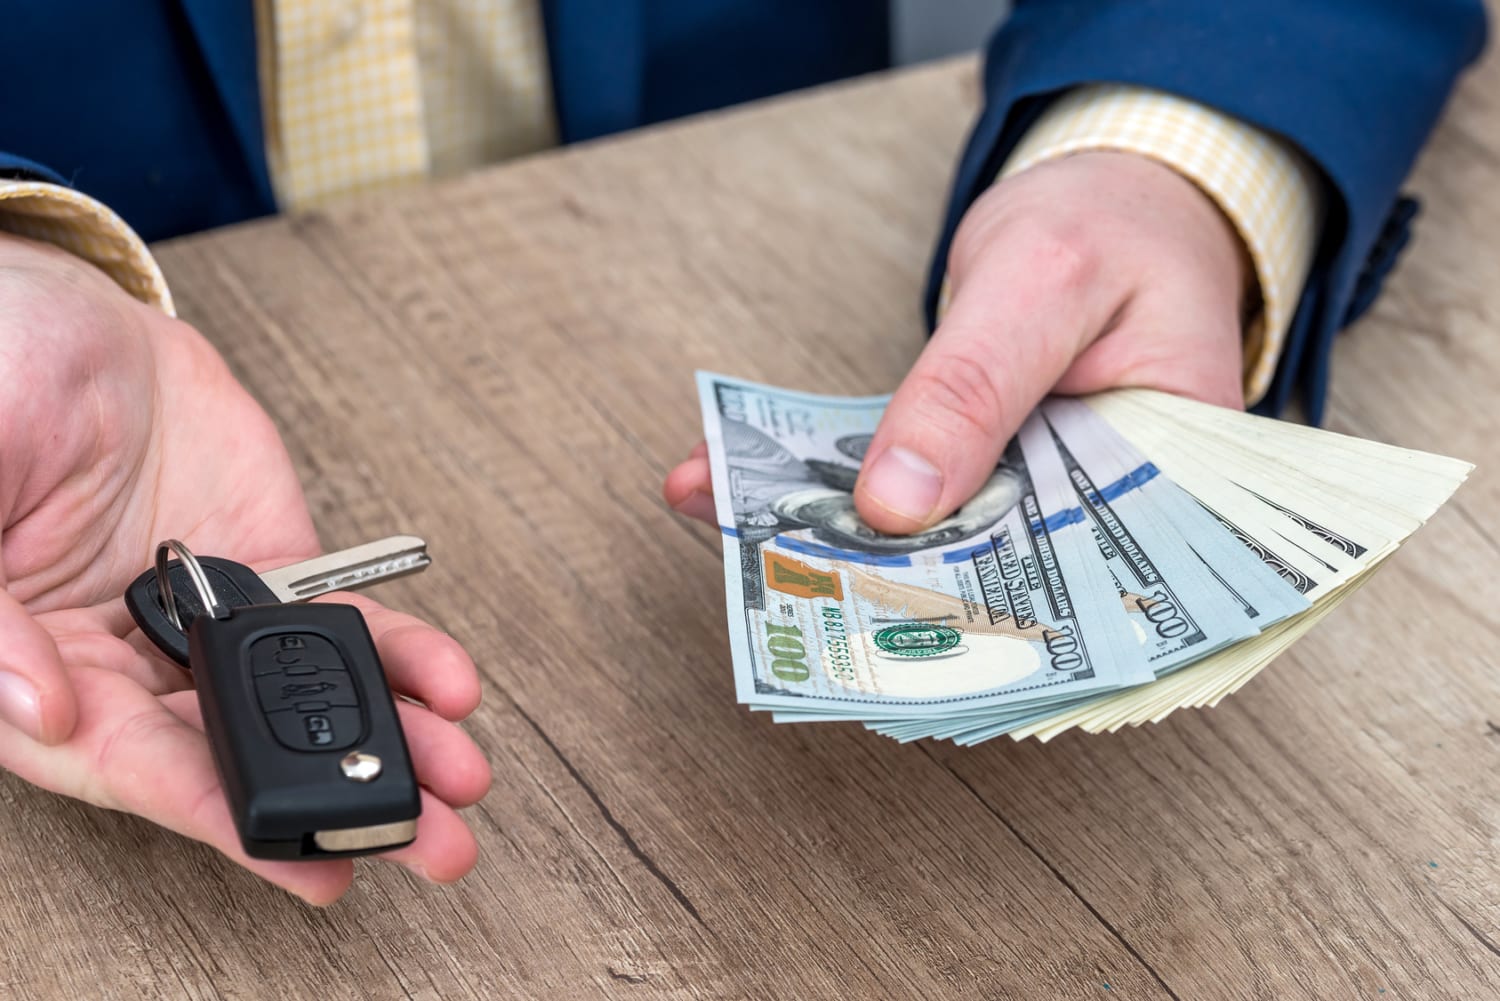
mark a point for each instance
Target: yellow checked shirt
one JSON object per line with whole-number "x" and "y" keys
{"x": 364, "y": 94}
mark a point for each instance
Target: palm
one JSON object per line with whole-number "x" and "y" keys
{"x": 161, "y": 443}
{"x": 126, "y": 428}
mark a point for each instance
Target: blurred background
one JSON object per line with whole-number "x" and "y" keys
{"x": 930, "y": 29}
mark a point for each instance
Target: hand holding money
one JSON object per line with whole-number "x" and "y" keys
{"x": 960, "y": 561}
{"x": 1130, "y": 554}
{"x": 1094, "y": 271}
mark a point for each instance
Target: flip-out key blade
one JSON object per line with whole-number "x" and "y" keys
{"x": 237, "y": 586}
{"x": 348, "y": 569}
{"x": 302, "y": 725}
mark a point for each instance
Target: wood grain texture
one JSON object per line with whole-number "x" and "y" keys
{"x": 503, "y": 365}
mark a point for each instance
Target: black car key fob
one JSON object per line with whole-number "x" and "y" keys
{"x": 234, "y": 584}
{"x": 296, "y": 709}
{"x": 304, "y": 731}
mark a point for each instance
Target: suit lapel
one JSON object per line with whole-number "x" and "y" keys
{"x": 225, "y": 31}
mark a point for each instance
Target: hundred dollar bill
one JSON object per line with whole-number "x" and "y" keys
{"x": 1237, "y": 588}
{"x": 1084, "y": 586}
{"x": 998, "y": 605}
{"x": 1178, "y": 610}
{"x": 1153, "y": 536}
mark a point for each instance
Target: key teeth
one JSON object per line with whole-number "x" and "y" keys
{"x": 354, "y": 578}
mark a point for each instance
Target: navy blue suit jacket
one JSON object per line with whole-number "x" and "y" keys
{"x": 154, "y": 107}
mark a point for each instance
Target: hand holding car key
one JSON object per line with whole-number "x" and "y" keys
{"x": 295, "y": 703}
{"x": 104, "y": 718}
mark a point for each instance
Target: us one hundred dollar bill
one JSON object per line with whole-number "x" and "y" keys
{"x": 996, "y": 605}
{"x": 1078, "y": 583}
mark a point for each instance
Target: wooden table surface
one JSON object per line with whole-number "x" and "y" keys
{"x": 503, "y": 364}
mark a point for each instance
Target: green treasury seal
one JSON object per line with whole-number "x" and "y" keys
{"x": 917, "y": 639}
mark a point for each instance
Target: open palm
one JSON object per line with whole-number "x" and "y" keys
{"x": 123, "y": 427}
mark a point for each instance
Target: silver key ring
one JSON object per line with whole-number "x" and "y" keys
{"x": 211, "y": 602}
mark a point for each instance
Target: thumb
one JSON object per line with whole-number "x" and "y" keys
{"x": 1016, "y": 322}
{"x": 36, "y": 697}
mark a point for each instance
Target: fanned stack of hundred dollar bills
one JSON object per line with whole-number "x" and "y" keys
{"x": 1133, "y": 553}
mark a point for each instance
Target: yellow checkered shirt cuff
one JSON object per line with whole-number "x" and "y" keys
{"x": 1267, "y": 189}
{"x": 86, "y": 228}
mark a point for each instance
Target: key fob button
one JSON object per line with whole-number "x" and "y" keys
{"x": 294, "y": 689}
{"x": 292, "y": 653}
{"x": 331, "y": 729}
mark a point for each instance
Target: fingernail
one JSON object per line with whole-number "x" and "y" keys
{"x": 903, "y": 482}
{"x": 19, "y": 705}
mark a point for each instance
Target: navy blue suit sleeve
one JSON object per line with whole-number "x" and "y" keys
{"x": 1357, "y": 85}
{"x": 12, "y": 166}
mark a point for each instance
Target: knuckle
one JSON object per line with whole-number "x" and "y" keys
{"x": 1062, "y": 255}
{"x": 957, "y": 394}
{"x": 1058, "y": 247}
